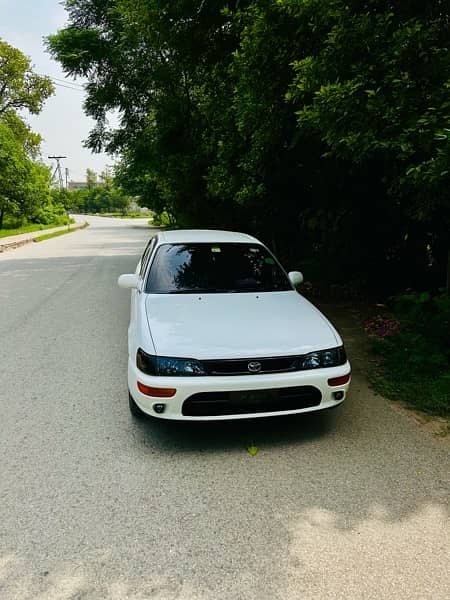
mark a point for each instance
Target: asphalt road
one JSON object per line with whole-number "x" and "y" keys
{"x": 348, "y": 505}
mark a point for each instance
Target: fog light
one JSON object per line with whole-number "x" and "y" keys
{"x": 159, "y": 408}
{"x": 338, "y": 395}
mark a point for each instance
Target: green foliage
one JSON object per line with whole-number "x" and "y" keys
{"x": 252, "y": 450}
{"x": 13, "y": 168}
{"x": 52, "y": 215}
{"x": 431, "y": 395}
{"x": 102, "y": 196}
{"x": 14, "y": 227}
{"x": 324, "y": 122}
{"x": 427, "y": 314}
{"x": 408, "y": 353}
{"x": 30, "y": 141}
{"x": 24, "y": 181}
{"x": 163, "y": 219}
{"x": 24, "y": 184}
{"x": 416, "y": 361}
{"x": 20, "y": 87}
{"x": 378, "y": 87}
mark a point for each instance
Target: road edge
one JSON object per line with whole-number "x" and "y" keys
{"x": 36, "y": 234}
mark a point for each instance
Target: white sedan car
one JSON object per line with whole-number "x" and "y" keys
{"x": 218, "y": 330}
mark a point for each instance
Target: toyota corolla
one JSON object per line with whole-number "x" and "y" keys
{"x": 218, "y": 330}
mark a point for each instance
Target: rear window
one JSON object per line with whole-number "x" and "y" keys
{"x": 215, "y": 268}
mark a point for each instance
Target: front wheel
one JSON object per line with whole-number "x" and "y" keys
{"x": 134, "y": 408}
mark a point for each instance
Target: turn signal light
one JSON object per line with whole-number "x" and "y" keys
{"x": 339, "y": 380}
{"x": 155, "y": 391}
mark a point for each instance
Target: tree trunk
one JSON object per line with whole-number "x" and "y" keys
{"x": 2, "y": 212}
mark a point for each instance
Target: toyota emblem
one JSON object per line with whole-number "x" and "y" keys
{"x": 254, "y": 366}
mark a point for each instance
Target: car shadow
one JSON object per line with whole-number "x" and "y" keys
{"x": 207, "y": 436}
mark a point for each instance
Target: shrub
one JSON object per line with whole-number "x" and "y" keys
{"x": 51, "y": 214}
{"x": 163, "y": 219}
{"x": 426, "y": 314}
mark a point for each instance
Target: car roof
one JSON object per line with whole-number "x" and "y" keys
{"x": 211, "y": 236}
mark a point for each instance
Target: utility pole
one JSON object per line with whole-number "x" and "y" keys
{"x": 67, "y": 178}
{"x": 58, "y": 170}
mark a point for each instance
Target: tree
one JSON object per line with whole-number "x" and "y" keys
{"x": 13, "y": 164}
{"x": 24, "y": 184}
{"x": 29, "y": 139}
{"x": 24, "y": 181}
{"x": 324, "y": 122}
{"x": 155, "y": 60}
{"x": 375, "y": 90}
{"x": 20, "y": 87}
{"x": 101, "y": 196}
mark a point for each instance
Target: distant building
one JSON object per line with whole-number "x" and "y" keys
{"x": 82, "y": 185}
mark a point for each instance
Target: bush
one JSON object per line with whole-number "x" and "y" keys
{"x": 163, "y": 219}
{"x": 426, "y": 314}
{"x": 51, "y": 214}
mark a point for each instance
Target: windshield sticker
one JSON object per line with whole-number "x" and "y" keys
{"x": 216, "y": 249}
{"x": 269, "y": 261}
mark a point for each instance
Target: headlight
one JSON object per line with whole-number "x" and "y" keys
{"x": 178, "y": 366}
{"x": 323, "y": 358}
{"x": 165, "y": 365}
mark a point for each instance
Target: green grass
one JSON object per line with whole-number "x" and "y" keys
{"x": 30, "y": 228}
{"x": 430, "y": 395}
{"x": 48, "y": 236}
{"x": 24, "y": 229}
{"x": 412, "y": 369}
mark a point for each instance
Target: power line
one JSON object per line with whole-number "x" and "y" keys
{"x": 67, "y": 87}
{"x": 65, "y": 81}
{"x": 61, "y": 80}
{"x": 70, "y": 85}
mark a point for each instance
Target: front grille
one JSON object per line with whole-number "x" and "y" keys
{"x": 209, "y": 404}
{"x": 239, "y": 366}
{"x": 276, "y": 364}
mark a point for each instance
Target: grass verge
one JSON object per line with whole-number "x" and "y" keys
{"x": 48, "y": 236}
{"x": 30, "y": 228}
{"x": 429, "y": 395}
{"x": 412, "y": 344}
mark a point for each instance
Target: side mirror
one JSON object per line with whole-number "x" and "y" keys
{"x": 130, "y": 281}
{"x": 296, "y": 278}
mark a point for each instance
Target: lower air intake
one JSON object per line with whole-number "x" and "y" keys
{"x": 209, "y": 404}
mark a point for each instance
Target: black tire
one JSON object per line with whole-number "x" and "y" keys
{"x": 134, "y": 408}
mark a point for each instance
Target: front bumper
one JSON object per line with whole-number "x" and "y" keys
{"x": 188, "y": 386}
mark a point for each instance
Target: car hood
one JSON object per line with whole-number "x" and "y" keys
{"x": 245, "y": 325}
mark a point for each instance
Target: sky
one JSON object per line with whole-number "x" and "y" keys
{"x": 62, "y": 123}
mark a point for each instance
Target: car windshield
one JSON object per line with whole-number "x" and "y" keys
{"x": 215, "y": 268}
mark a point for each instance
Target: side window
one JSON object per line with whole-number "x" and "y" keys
{"x": 146, "y": 256}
